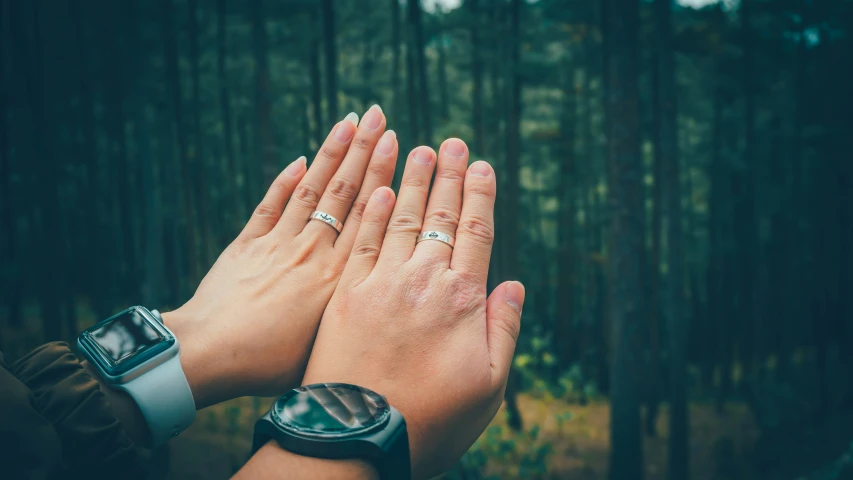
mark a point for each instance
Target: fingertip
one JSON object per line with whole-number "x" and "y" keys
{"x": 514, "y": 295}
{"x": 454, "y": 147}
{"x": 383, "y": 194}
{"x": 297, "y": 167}
{"x": 423, "y": 155}
{"x": 387, "y": 143}
{"x": 480, "y": 168}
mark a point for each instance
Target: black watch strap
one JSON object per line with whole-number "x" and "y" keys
{"x": 397, "y": 463}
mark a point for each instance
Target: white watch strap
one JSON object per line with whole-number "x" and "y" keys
{"x": 165, "y": 399}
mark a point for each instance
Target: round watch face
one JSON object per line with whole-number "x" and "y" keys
{"x": 330, "y": 410}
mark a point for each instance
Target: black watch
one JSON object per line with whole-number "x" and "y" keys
{"x": 338, "y": 421}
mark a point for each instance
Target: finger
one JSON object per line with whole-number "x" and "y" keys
{"x": 326, "y": 163}
{"x": 503, "y": 324}
{"x": 368, "y": 242}
{"x": 408, "y": 215}
{"x": 268, "y": 212}
{"x": 380, "y": 172}
{"x": 345, "y": 184}
{"x": 476, "y": 230}
{"x": 445, "y": 199}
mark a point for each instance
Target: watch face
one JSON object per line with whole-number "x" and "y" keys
{"x": 126, "y": 340}
{"x": 330, "y": 410}
{"x": 125, "y": 335}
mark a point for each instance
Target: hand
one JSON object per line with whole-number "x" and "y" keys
{"x": 248, "y": 328}
{"x": 412, "y": 321}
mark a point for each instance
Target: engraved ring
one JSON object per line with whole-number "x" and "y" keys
{"x": 328, "y": 220}
{"x": 441, "y": 237}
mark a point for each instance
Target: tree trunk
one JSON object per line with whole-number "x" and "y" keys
{"x": 653, "y": 383}
{"x": 443, "y": 93}
{"x": 565, "y": 334}
{"x": 418, "y": 46}
{"x": 745, "y": 208}
{"x": 200, "y": 185}
{"x": 173, "y": 81}
{"x": 412, "y": 93}
{"x": 477, "y": 79}
{"x": 511, "y": 196}
{"x": 49, "y": 287}
{"x": 233, "y": 184}
{"x": 624, "y": 266}
{"x": 264, "y": 139}
{"x": 368, "y": 60}
{"x": 12, "y": 286}
{"x": 676, "y": 318}
{"x": 397, "y": 101}
{"x": 331, "y": 58}
{"x": 316, "y": 85}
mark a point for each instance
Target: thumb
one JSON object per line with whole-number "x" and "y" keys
{"x": 503, "y": 324}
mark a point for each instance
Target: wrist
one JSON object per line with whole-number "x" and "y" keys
{"x": 272, "y": 461}
{"x": 205, "y": 382}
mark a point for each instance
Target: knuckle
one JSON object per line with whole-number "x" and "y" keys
{"x": 405, "y": 222}
{"x": 443, "y": 217}
{"x": 451, "y": 175}
{"x": 265, "y": 210}
{"x": 362, "y": 143}
{"x": 307, "y": 194}
{"x": 342, "y": 189}
{"x": 415, "y": 182}
{"x": 366, "y": 250}
{"x": 376, "y": 169}
{"x": 357, "y": 211}
{"x": 466, "y": 296}
{"x": 373, "y": 218}
{"x": 483, "y": 189}
{"x": 278, "y": 186}
{"x": 331, "y": 272}
{"x": 416, "y": 290}
{"x": 329, "y": 153}
{"x": 509, "y": 326}
{"x": 479, "y": 228}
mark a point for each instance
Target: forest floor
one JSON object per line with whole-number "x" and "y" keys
{"x": 721, "y": 445}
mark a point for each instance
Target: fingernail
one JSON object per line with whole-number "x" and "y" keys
{"x": 422, "y": 156}
{"x": 353, "y": 118}
{"x": 481, "y": 169}
{"x": 345, "y": 130}
{"x": 455, "y": 147}
{"x": 382, "y": 194}
{"x": 386, "y": 143}
{"x": 296, "y": 167}
{"x": 372, "y": 118}
{"x": 515, "y": 295}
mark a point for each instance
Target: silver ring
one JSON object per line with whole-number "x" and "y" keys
{"x": 441, "y": 237}
{"x": 327, "y": 219}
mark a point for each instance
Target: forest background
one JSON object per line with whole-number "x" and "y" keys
{"x": 674, "y": 191}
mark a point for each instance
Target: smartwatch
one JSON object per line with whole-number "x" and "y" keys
{"x": 133, "y": 351}
{"x": 338, "y": 421}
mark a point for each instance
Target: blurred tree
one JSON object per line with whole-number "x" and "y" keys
{"x": 676, "y": 318}
{"x": 136, "y": 138}
{"x": 330, "y": 54}
{"x": 624, "y": 294}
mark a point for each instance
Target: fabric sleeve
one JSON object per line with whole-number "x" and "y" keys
{"x": 57, "y": 419}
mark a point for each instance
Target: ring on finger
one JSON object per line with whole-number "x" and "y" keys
{"x": 439, "y": 236}
{"x": 327, "y": 219}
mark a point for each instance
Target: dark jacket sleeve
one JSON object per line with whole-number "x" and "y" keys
{"x": 56, "y": 422}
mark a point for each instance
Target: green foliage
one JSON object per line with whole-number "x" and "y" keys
{"x": 525, "y": 454}
{"x": 537, "y": 368}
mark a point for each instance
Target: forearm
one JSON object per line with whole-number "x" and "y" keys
{"x": 272, "y": 461}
